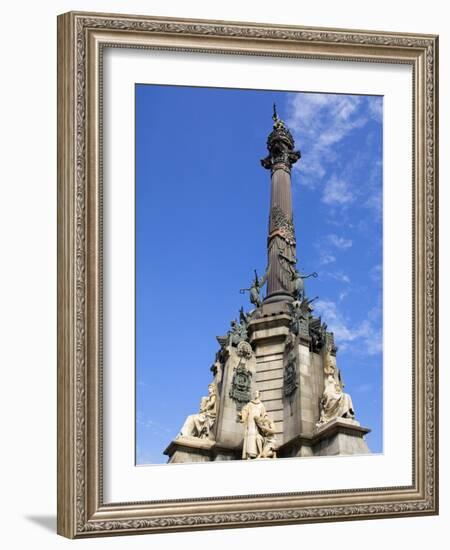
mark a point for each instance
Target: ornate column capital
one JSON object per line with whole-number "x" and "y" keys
{"x": 280, "y": 145}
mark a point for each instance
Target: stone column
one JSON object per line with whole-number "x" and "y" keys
{"x": 281, "y": 240}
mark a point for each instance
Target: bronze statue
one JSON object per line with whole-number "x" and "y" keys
{"x": 244, "y": 318}
{"x": 237, "y": 333}
{"x": 301, "y": 312}
{"x": 255, "y": 289}
{"x": 297, "y": 278}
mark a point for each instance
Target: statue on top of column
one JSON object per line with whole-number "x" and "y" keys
{"x": 280, "y": 144}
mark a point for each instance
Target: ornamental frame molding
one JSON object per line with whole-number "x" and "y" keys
{"x": 81, "y": 39}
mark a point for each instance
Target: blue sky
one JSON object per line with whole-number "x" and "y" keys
{"x": 202, "y": 204}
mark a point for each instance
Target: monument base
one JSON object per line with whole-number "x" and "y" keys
{"x": 340, "y": 436}
{"x": 193, "y": 449}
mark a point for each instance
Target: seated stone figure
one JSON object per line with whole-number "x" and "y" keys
{"x": 267, "y": 443}
{"x": 334, "y": 403}
{"x": 259, "y": 430}
{"x": 200, "y": 424}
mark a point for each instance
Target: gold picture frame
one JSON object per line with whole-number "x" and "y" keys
{"x": 81, "y": 39}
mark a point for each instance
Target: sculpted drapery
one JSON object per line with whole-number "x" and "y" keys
{"x": 334, "y": 403}
{"x": 259, "y": 430}
{"x": 200, "y": 424}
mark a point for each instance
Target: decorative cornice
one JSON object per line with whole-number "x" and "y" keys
{"x": 243, "y": 519}
{"x": 255, "y": 31}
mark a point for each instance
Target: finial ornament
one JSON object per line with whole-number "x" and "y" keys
{"x": 280, "y": 145}
{"x": 278, "y": 124}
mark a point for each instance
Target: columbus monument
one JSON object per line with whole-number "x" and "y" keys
{"x": 276, "y": 390}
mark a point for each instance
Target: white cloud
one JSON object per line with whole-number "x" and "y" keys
{"x": 335, "y": 321}
{"x": 340, "y": 276}
{"x": 376, "y": 273}
{"x": 375, "y": 185}
{"x": 367, "y": 333}
{"x": 339, "y": 242}
{"x": 364, "y": 388}
{"x": 325, "y": 257}
{"x": 321, "y": 121}
{"x": 337, "y": 191}
{"x": 375, "y": 107}
{"x": 375, "y": 203}
{"x": 327, "y": 245}
{"x": 154, "y": 427}
{"x": 147, "y": 456}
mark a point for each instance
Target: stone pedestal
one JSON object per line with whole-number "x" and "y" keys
{"x": 189, "y": 449}
{"x": 289, "y": 376}
{"x": 193, "y": 449}
{"x": 340, "y": 436}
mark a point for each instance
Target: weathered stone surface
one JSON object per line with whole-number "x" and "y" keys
{"x": 341, "y": 444}
{"x": 189, "y": 449}
{"x": 268, "y": 334}
{"x": 341, "y": 436}
{"x": 270, "y": 365}
{"x": 182, "y": 456}
{"x": 229, "y": 431}
{"x": 223, "y": 455}
{"x": 273, "y": 404}
{"x": 278, "y": 426}
{"x": 294, "y": 418}
{"x": 291, "y": 401}
{"x": 274, "y": 308}
{"x": 269, "y": 381}
{"x": 276, "y": 415}
{"x": 273, "y": 384}
{"x": 268, "y": 395}
{"x": 272, "y": 374}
